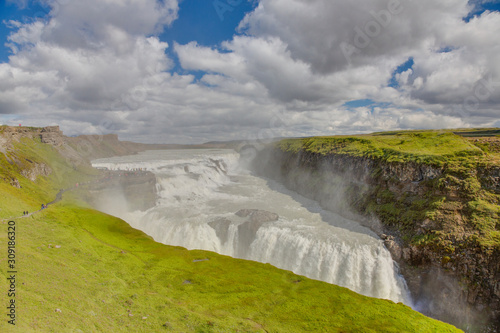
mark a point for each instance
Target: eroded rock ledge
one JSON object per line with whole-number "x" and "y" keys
{"x": 421, "y": 211}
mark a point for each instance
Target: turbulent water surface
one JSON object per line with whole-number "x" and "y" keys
{"x": 202, "y": 190}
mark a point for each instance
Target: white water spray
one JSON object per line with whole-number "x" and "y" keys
{"x": 200, "y": 192}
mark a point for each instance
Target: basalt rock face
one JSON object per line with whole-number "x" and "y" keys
{"x": 30, "y": 169}
{"x": 77, "y": 150}
{"x": 490, "y": 178}
{"x": 221, "y": 227}
{"x": 451, "y": 276}
{"x": 247, "y": 231}
{"x": 138, "y": 189}
{"x": 248, "y": 223}
{"x": 50, "y": 135}
{"x": 35, "y": 170}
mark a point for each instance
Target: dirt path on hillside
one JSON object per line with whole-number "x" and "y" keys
{"x": 58, "y": 198}
{"x": 105, "y": 178}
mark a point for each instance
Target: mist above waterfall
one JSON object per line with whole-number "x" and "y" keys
{"x": 208, "y": 200}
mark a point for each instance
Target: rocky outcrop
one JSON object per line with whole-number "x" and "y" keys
{"x": 52, "y": 135}
{"x": 248, "y": 223}
{"x": 35, "y": 170}
{"x": 247, "y": 231}
{"x": 490, "y": 178}
{"x": 427, "y": 243}
{"x": 221, "y": 227}
{"x": 15, "y": 182}
{"x": 77, "y": 150}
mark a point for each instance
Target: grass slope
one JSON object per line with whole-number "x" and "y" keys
{"x": 430, "y": 147}
{"x": 80, "y": 270}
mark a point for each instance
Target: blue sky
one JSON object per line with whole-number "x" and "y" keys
{"x": 207, "y": 22}
{"x": 294, "y": 69}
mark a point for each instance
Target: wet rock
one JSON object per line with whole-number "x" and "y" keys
{"x": 472, "y": 295}
{"x": 221, "y": 227}
{"x": 257, "y": 215}
{"x": 406, "y": 254}
{"x": 393, "y": 248}
{"x": 497, "y": 289}
{"x": 220, "y": 166}
{"x": 247, "y": 231}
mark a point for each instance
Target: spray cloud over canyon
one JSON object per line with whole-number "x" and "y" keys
{"x": 209, "y": 201}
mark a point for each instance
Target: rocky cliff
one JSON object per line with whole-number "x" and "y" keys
{"x": 78, "y": 151}
{"x": 50, "y": 134}
{"x": 439, "y": 220}
{"x": 137, "y": 189}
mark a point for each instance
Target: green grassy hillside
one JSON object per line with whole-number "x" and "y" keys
{"x": 430, "y": 147}
{"x": 79, "y": 270}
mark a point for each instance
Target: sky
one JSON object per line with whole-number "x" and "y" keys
{"x": 192, "y": 71}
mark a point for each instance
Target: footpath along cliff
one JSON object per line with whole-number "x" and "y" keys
{"x": 433, "y": 196}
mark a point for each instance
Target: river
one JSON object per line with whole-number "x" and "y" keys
{"x": 209, "y": 200}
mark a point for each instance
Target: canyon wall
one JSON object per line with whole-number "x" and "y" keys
{"x": 424, "y": 214}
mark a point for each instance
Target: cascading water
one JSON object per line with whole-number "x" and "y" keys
{"x": 208, "y": 201}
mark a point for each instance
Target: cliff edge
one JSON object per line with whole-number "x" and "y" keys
{"x": 433, "y": 196}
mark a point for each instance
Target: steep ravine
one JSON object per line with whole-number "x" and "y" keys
{"x": 425, "y": 214}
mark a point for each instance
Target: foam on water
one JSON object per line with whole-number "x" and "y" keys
{"x": 200, "y": 191}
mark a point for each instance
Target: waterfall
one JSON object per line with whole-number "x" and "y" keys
{"x": 208, "y": 201}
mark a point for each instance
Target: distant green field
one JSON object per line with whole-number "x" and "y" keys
{"x": 432, "y": 147}
{"x": 80, "y": 270}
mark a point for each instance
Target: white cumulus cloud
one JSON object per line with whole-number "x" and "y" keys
{"x": 100, "y": 66}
